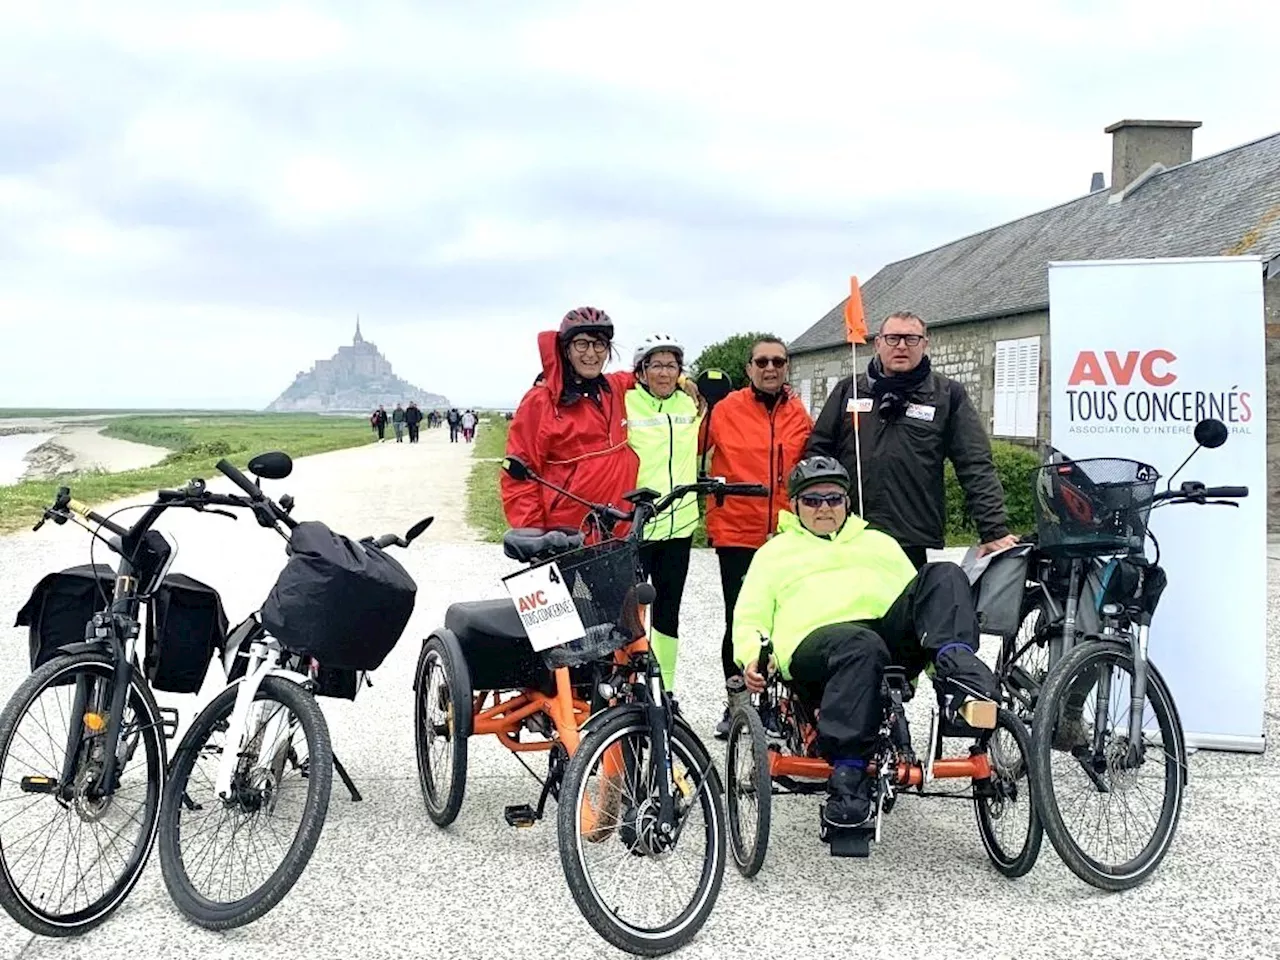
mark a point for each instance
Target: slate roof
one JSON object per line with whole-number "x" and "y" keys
{"x": 1224, "y": 204}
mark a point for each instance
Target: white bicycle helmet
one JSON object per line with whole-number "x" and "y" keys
{"x": 655, "y": 343}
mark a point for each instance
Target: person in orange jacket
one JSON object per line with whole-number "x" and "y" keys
{"x": 756, "y": 435}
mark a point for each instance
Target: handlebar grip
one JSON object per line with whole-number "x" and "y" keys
{"x": 1228, "y": 492}
{"x": 165, "y": 496}
{"x": 762, "y": 665}
{"x": 239, "y": 479}
{"x": 386, "y": 540}
{"x": 745, "y": 489}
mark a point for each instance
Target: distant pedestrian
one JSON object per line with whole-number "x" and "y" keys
{"x": 380, "y": 422}
{"x": 469, "y": 420}
{"x": 455, "y": 424}
{"x": 413, "y": 420}
{"x": 397, "y": 421}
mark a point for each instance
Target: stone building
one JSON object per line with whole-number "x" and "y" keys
{"x": 986, "y": 296}
{"x": 356, "y": 379}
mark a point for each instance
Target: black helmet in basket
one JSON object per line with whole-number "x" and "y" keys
{"x": 814, "y": 470}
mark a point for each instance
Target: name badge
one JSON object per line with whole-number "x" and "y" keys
{"x": 919, "y": 411}
{"x": 862, "y": 405}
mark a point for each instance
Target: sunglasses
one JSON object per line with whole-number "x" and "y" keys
{"x": 777, "y": 362}
{"x": 816, "y": 500}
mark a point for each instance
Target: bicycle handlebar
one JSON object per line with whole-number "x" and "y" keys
{"x": 240, "y": 480}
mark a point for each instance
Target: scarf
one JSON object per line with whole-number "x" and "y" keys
{"x": 892, "y": 390}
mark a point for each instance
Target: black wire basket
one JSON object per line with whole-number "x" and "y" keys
{"x": 1093, "y": 507}
{"x": 602, "y": 580}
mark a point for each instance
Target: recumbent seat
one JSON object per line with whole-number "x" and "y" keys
{"x": 495, "y": 645}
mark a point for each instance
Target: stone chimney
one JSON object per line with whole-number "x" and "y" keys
{"x": 1137, "y": 144}
{"x": 1097, "y": 183}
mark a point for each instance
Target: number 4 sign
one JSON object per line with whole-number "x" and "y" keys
{"x": 546, "y": 609}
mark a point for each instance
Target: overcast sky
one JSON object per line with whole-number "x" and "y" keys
{"x": 195, "y": 206}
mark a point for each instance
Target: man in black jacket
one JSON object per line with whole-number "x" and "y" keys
{"x": 911, "y": 419}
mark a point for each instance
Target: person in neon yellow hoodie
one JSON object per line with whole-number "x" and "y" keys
{"x": 839, "y": 602}
{"x": 662, "y": 429}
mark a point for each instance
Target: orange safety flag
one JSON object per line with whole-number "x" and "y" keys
{"x": 855, "y": 321}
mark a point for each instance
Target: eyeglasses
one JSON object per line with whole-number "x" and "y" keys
{"x": 583, "y": 344}
{"x": 816, "y": 500}
{"x": 910, "y": 339}
{"x": 777, "y": 362}
{"x": 663, "y": 367}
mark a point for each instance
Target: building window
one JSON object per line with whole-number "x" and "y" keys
{"x": 1017, "y": 388}
{"x": 806, "y": 394}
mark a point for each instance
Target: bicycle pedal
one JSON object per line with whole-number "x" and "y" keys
{"x": 169, "y": 721}
{"x": 520, "y": 815}
{"x": 38, "y": 785}
{"x": 851, "y": 842}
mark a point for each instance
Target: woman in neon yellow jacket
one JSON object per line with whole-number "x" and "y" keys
{"x": 662, "y": 429}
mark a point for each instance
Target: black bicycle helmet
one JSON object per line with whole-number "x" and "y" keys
{"x": 814, "y": 470}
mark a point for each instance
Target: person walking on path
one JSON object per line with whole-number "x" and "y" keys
{"x": 911, "y": 419}
{"x": 397, "y": 421}
{"x": 755, "y": 435}
{"x": 469, "y": 425}
{"x": 662, "y": 428}
{"x": 455, "y": 424}
{"x": 380, "y": 422}
{"x": 413, "y": 420}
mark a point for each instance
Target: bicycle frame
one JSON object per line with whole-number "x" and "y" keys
{"x": 264, "y": 661}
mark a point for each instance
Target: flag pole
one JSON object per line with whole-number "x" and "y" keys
{"x": 857, "y": 433}
{"x": 855, "y": 328}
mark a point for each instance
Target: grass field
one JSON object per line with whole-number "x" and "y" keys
{"x": 197, "y": 442}
{"x": 484, "y": 503}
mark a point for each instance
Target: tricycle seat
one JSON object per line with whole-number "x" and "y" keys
{"x": 527, "y": 544}
{"x": 497, "y": 649}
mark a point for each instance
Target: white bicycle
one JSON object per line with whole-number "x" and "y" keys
{"x": 248, "y": 789}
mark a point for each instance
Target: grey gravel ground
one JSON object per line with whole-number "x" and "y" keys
{"x": 385, "y": 882}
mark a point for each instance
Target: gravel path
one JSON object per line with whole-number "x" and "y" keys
{"x": 384, "y": 882}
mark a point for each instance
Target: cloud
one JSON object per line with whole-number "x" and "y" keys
{"x": 214, "y": 194}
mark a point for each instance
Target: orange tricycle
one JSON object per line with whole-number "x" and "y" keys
{"x": 772, "y": 750}
{"x": 563, "y": 667}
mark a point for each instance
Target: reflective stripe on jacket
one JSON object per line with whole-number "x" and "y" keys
{"x": 798, "y": 582}
{"x": 664, "y": 435}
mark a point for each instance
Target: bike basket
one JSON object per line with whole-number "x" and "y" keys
{"x": 1094, "y": 506}
{"x": 602, "y": 580}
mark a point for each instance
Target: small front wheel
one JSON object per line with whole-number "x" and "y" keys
{"x": 442, "y": 723}
{"x": 1124, "y": 798}
{"x": 219, "y": 854}
{"x": 1007, "y": 817}
{"x": 643, "y": 891}
{"x": 750, "y": 793}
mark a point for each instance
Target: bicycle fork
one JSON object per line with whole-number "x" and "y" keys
{"x": 244, "y": 718}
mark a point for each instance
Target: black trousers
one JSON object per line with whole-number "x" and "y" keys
{"x": 413, "y": 432}
{"x": 734, "y": 562}
{"x": 666, "y": 563}
{"x": 916, "y": 555}
{"x": 839, "y": 668}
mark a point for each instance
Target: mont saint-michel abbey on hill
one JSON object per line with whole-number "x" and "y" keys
{"x": 354, "y": 380}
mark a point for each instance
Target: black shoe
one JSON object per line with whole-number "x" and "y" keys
{"x": 961, "y": 674}
{"x": 851, "y": 797}
{"x": 722, "y": 728}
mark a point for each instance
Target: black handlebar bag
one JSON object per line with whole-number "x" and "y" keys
{"x": 342, "y": 602}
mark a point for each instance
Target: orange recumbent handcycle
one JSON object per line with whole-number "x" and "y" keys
{"x": 772, "y": 749}
{"x": 623, "y": 764}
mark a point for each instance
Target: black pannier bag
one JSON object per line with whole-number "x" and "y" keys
{"x": 61, "y": 605}
{"x": 342, "y": 602}
{"x": 1000, "y": 589}
{"x": 186, "y": 627}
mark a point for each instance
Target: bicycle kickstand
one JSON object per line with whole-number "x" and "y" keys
{"x": 346, "y": 779}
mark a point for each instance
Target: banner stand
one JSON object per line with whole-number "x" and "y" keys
{"x": 1140, "y": 350}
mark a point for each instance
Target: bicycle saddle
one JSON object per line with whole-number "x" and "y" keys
{"x": 526, "y": 544}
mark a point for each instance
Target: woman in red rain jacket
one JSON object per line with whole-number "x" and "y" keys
{"x": 570, "y": 429}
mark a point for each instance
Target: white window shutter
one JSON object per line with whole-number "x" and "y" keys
{"x": 1003, "y": 407}
{"x": 1027, "y": 403}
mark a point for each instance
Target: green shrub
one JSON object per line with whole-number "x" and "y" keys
{"x": 1015, "y": 465}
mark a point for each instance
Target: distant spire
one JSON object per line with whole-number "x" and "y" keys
{"x": 358, "y": 338}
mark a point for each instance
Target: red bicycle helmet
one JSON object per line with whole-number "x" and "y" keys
{"x": 585, "y": 320}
